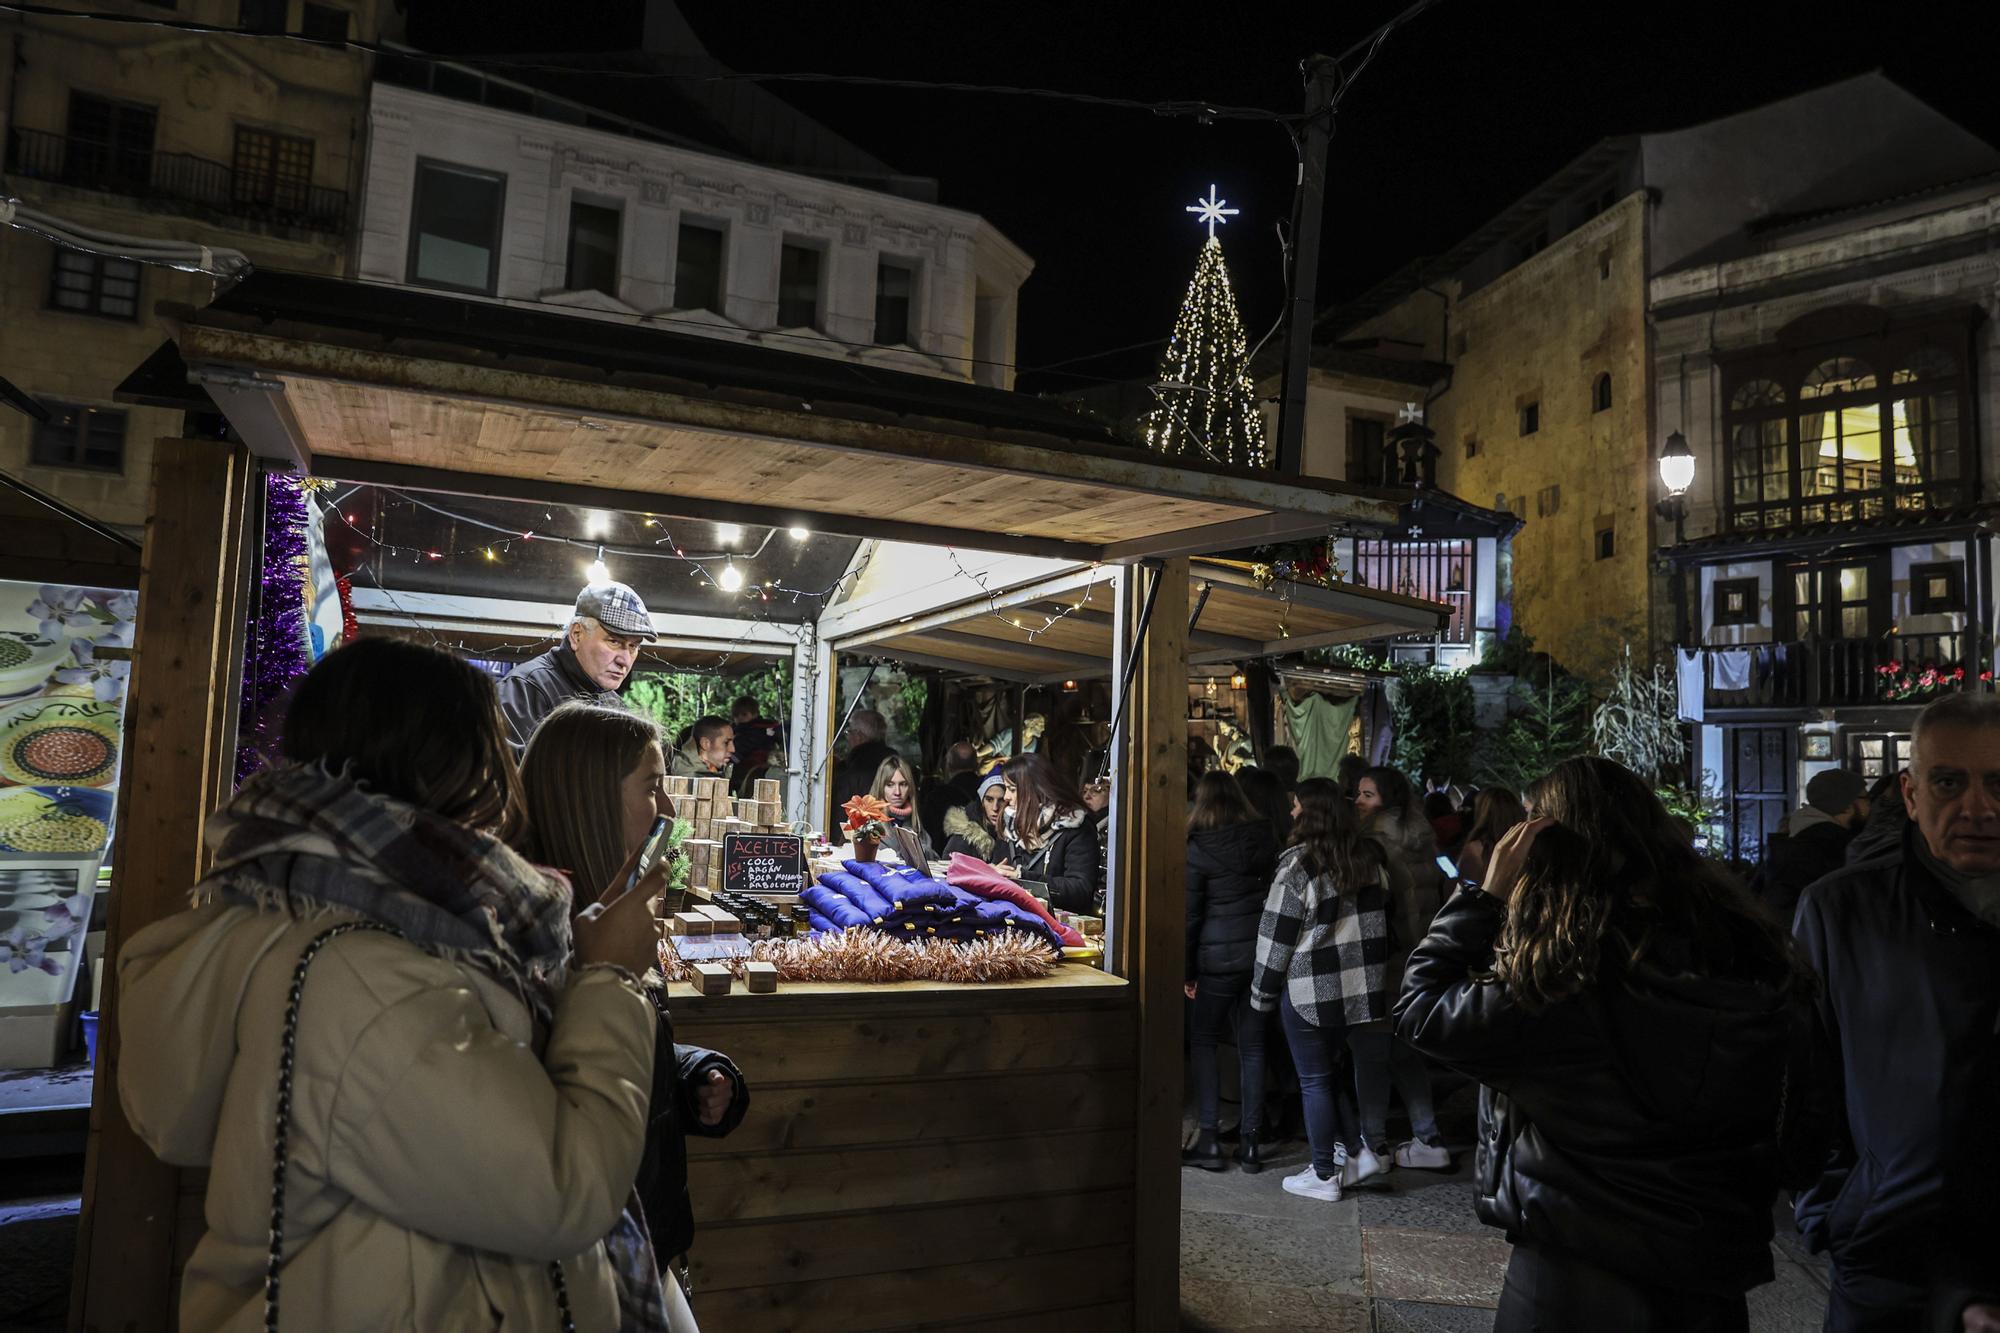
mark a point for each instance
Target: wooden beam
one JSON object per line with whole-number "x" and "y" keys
{"x": 1053, "y": 659}
{"x": 1215, "y": 538}
{"x": 840, "y": 519}
{"x": 1201, "y": 639}
{"x": 1151, "y": 791}
{"x": 949, "y": 664}
{"x": 180, "y": 757}
{"x": 859, "y": 625}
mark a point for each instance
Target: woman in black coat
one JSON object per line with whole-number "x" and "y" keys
{"x": 1640, "y": 1025}
{"x": 1050, "y": 839}
{"x": 1231, "y": 855}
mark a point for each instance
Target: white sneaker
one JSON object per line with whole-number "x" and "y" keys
{"x": 1423, "y": 1156}
{"x": 1308, "y": 1184}
{"x": 1368, "y": 1169}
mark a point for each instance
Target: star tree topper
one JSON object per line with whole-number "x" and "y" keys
{"x": 1212, "y": 211}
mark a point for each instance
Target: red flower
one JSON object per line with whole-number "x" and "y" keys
{"x": 1986, "y": 675}
{"x": 1893, "y": 667}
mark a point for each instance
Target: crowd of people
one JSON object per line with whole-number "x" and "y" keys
{"x": 1663, "y": 1049}
{"x": 1660, "y": 1053}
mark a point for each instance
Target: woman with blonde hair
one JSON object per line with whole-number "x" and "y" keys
{"x": 594, "y": 780}
{"x": 895, "y": 786}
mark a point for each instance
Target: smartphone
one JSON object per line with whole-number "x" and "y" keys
{"x": 654, "y": 837}
{"x": 1446, "y": 864}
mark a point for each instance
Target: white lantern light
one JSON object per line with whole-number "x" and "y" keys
{"x": 731, "y": 578}
{"x": 1676, "y": 465}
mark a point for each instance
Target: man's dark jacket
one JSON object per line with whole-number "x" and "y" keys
{"x": 1229, "y": 871}
{"x": 960, "y": 789}
{"x": 671, "y": 1116}
{"x": 1911, "y": 1006}
{"x": 535, "y": 689}
{"x": 1792, "y": 861}
{"x": 854, "y": 775}
{"x": 1634, "y": 1126}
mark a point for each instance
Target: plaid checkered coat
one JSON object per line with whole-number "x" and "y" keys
{"x": 1327, "y": 948}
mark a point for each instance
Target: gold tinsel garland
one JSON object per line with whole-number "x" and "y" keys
{"x": 869, "y": 956}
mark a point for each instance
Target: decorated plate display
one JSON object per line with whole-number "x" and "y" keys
{"x": 59, "y": 741}
{"x": 26, "y": 659}
{"x": 54, "y": 821}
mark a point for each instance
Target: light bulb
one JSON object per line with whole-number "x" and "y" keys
{"x": 597, "y": 523}
{"x": 598, "y": 571}
{"x": 728, "y": 534}
{"x": 799, "y": 534}
{"x": 731, "y": 578}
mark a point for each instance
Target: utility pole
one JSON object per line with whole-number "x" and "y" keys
{"x": 1308, "y": 202}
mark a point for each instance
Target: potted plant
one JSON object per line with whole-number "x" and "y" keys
{"x": 867, "y": 824}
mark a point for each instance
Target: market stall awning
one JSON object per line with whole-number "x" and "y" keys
{"x": 387, "y": 385}
{"x": 1062, "y": 628}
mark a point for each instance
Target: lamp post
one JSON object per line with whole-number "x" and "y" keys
{"x": 1676, "y": 475}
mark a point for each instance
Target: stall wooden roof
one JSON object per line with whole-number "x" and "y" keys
{"x": 1064, "y": 630}
{"x": 388, "y": 385}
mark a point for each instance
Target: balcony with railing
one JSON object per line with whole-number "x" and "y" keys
{"x": 1827, "y": 673}
{"x": 180, "y": 180}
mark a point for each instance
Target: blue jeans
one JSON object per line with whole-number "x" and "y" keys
{"x": 1222, "y": 1009}
{"x": 1316, "y": 1051}
{"x": 1379, "y": 1059}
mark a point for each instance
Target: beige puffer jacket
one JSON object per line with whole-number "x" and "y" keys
{"x": 437, "y": 1164}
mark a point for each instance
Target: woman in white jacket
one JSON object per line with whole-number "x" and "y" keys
{"x": 467, "y": 1101}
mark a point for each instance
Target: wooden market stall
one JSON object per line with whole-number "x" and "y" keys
{"x": 974, "y": 1155}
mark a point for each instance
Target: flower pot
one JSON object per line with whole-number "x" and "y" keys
{"x": 865, "y": 848}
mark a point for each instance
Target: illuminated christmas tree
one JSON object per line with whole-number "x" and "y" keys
{"x": 1207, "y": 406}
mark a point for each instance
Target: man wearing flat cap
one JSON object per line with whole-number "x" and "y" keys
{"x": 1814, "y": 844}
{"x": 591, "y": 663}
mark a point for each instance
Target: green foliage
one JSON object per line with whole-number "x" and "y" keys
{"x": 1514, "y": 655}
{"x": 1638, "y": 724}
{"x": 1553, "y": 724}
{"x": 1432, "y": 712}
{"x": 912, "y": 697}
{"x": 674, "y": 699}
{"x": 1702, "y": 808}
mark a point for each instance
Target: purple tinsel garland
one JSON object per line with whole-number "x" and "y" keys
{"x": 277, "y": 652}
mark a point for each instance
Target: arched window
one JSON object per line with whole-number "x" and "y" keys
{"x": 1600, "y": 393}
{"x": 1848, "y": 424}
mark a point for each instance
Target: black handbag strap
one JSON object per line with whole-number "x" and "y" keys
{"x": 280, "y": 1154}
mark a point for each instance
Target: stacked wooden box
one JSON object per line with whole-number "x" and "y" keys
{"x": 705, "y": 803}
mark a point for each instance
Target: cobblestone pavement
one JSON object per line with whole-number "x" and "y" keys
{"x": 1410, "y": 1258}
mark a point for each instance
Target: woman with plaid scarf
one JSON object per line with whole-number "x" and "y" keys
{"x": 1322, "y": 955}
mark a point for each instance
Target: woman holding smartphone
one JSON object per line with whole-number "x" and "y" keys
{"x": 595, "y": 785}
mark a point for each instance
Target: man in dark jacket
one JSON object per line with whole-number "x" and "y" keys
{"x": 1881, "y": 834}
{"x": 959, "y": 787}
{"x": 1909, "y": 953}
{"x": 1815, "y": 843}
{"x": 855, "y": 774}
{"x": 592, "y": 662}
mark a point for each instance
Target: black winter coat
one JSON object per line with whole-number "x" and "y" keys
{"x": 855, "y": 774}
{"x": 537, "y": 688}
{"x": 1070, "y": 863}
{"x": 1229, "y": 872}
{"x": 1634, "y": 1127}
{"x": 1795, "y": 860}
{"x": 670, "y": 1117}
{"x": 1911, "y": 1005}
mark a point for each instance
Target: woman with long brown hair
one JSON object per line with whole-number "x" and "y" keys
{"x": 470, "y": 1068}
{"x": 1231, "y": 854}
{"x": 895, "y": 786}
{"x": 1049, "y": 835}
{"x": 594, "y": 780}
{"x": 1322, "y": 950}
{"x": 1636, "y": 1020}
{"x": 1494, "y": 811}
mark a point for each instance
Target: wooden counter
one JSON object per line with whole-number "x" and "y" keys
{"x": 919, "y": 1154}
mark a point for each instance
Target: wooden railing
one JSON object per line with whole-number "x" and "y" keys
{"x": 1831, "y": 672}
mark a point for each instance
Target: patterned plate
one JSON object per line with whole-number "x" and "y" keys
{"x": 54, "y": 821}
{"x": 59, "y": 741}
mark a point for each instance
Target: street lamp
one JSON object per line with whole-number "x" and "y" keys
{"x": 1676, "y": 475}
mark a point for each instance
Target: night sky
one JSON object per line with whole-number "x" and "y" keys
{"x": 1464, "y": 110}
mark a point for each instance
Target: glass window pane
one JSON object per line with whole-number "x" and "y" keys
{"x": 457, "y": 225}
{"x": 593, "y": 249}
{"x": 1841, "y": 375}
{"x": 894, "y": 286}
{"x": 798, "y": 287}
{"x": 698, "y": 269}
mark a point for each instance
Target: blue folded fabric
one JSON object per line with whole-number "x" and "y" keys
{"x": 903, "y": 884}
{"x": 860, "y": 892}
{"x": 820, "y": 925}
{"x": 837, "y": 910}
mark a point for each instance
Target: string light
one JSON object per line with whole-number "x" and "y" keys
{"x": 993, "y": 602}
{"x": 1207, "y": 403}
{"x": 799, "y": 534}
{"x": 731, "y": 578}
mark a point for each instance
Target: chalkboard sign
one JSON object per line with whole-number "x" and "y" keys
{"x": 763, "y": 862}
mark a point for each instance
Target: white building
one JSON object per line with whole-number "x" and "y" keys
{"x": 474, "y": 198}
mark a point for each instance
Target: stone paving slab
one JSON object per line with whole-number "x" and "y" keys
{"x": 1322, "y": 1251}
{"x": 1416, "y": 1317}
{"x": 1216, "y": 1306}
{"x": 1434, "y": 1267}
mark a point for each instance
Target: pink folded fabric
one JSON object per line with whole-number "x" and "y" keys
{"x": 975, "y": 876}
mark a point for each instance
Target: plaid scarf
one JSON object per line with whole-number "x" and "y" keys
{"x": 300, "y": 838}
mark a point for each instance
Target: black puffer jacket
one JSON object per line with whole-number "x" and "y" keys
{"x": 1069, "y": 863}
{"x": 1795, "y": 860}
{"x": 535, "y": 689}
{"x": 1229, "y": 873}
{"x": 1634, "y": 1127}
{"x": 662, "y": 1183}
